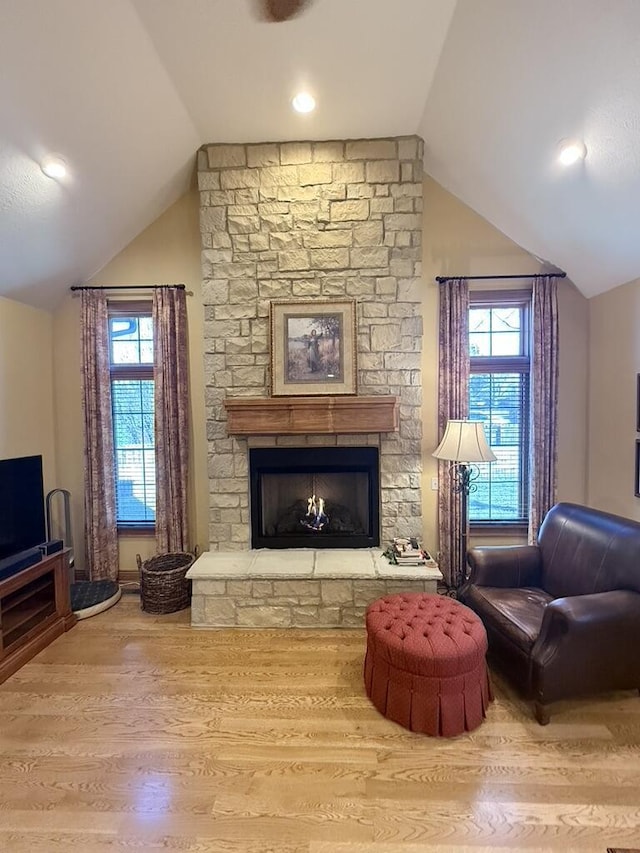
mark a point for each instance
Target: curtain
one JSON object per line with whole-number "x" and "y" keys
{"x": 453, "y": 402}
{"x": 171, "y": 417}
{"x": 101, "y": 532}
{"x": 544, "y": 401}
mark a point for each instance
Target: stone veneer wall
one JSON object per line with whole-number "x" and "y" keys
{"x": 312, "y": 220}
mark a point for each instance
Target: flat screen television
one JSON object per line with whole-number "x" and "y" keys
{"x": 22, "y": 520}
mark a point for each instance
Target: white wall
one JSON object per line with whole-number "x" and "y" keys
{"x": 614, "y": 363}
{"x": 26, "y": 386}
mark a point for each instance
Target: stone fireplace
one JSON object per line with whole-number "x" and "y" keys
{"x": 304, "y": 221}
{"x": 310, "y": 221}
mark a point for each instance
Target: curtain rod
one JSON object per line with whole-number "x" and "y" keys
{"x": 441, "y": 278}
{"x": 126, "y": 287}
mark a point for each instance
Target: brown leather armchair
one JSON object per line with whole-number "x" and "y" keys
{"x": 563, "y": 616}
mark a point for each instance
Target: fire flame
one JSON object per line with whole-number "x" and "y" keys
{"x": 316, "y": 518}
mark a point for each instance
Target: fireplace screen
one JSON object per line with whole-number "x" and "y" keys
{"x": 316, "y": 497}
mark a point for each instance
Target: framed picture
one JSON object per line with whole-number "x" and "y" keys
{"x": 637, "y": 474}
{"x": 313, "y": 347}
{"x": 638, "y": 403}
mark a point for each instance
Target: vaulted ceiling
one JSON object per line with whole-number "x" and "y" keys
{"x": 127, "y": 90}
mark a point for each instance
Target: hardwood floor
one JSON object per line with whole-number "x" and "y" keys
{"x": 137, "y": 733}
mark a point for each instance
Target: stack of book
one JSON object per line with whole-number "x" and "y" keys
{"x": 408, "y": 552}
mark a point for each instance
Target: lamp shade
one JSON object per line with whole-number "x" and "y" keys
{"x": 464, "y": 441}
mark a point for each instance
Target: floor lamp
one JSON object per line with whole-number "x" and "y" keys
{"x": 464, "y": 443}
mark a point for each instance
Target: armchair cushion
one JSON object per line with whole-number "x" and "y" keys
{"x": 517, "y": 612}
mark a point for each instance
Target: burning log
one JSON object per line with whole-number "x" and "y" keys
{"x": 339, "y": 521}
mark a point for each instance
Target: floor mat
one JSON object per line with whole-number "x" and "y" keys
{"x": 91, "y": 597}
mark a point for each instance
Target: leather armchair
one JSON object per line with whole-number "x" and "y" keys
{"x": 563, "y": 616}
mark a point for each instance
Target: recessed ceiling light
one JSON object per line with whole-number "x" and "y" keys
{"x": 572, "y": 150}
{"x": 54, "y": 167}
{"x": 304, "y": 102}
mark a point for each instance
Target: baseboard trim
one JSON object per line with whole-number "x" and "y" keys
{"x": 129, "y": 576}
{"x": 125, "y": 576}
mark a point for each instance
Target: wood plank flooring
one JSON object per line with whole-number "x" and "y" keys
{"x": 137, "y": 733}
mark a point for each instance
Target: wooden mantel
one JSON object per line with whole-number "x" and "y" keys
{"x": 310, "y": 415}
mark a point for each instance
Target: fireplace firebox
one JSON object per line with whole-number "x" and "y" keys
{"x": 314, "y": 497}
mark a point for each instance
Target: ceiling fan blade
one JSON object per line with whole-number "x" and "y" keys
{"x": 282, "y": 10}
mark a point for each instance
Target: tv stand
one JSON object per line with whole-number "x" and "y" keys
{"x": 35, "y": 608}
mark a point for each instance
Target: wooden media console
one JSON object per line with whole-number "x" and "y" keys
{"x": 35, "y": 608}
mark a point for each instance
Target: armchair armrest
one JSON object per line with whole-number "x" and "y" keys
{"x": 612, "y": 617}
{"x": 505, "y": 566}
{"x": 584, "y": 644}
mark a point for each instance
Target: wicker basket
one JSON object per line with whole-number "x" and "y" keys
{"x": 163, "y": 585}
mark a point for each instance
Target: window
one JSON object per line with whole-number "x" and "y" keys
{"x": 132, "y": 393}
{"x": 499, "y": 397}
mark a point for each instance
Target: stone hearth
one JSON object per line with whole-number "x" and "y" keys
{"x": 297, "y": 588}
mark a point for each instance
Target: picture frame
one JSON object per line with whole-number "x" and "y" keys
{"x": 637, "y": 471}
{"x": 638, "y": 403}
{"x": 313, "y": 347}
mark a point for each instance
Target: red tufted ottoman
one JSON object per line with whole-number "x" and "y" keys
{"x": 425, "y": 665}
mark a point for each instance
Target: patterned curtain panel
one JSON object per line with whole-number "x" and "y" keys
{"x": 171, "y": 418}
{"x": 544, "y": 401}
{"x": 453, "y": 402}
{"x": 101, "y": 532}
